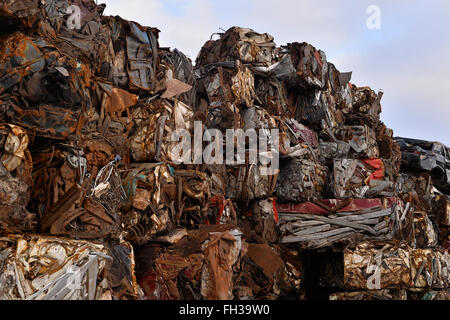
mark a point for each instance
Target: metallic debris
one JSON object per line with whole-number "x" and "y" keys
{"x": 96, "y": 201}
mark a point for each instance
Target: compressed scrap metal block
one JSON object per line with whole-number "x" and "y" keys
{"x": 326, "y": 106}
{"x": 159, "y": 196}
{"x": 217, "y": 272}
{"x": 366, "y": 105}
{"x": 426, "y": 234}
{"x": 238, "y": 44}
{"x": 48, "y": 268}
{"x": 70, "y": 203}
{"x": 272, "y": 94}
{"x": 333, "y": 206}
{"x": 15, "y": 183}
{"x": 317, "y": 108}
{"x": 352, "y": 142}
{"x": 436, "y": 295}
{"x": 371, "y": 295}
{"x": 198, "y": 265}
{"x": 374, "y": 268}
{"x": 230, "y": 85}
{"x": 301, "y": 180}
{"x": 180, "y": 68}
{"x": 248, "y": 182}
{"x": 430, "y": 268}
{"x": 363, "y": 178}
{"x": 154, "y": 126}
{"x": 396, "y": 266}
{"x": 265, "y": 268}
{"x": 14, "y": 197}
{"x": 51, "y": 100}
{"x": 318, "y": 224}
{"x": 441, "y": 210}
{"x": 308, "y": 67}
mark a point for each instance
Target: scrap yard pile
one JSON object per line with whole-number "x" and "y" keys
{"x": 97, "y": 204}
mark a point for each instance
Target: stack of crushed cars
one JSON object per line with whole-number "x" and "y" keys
{"x": 95, "y": 203}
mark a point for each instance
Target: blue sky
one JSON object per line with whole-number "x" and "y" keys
{"x": 409, "y": 57}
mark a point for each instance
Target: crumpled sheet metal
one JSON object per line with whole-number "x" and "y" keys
{"x": 142, "y": 64}
{"x": 272, "y": 94}
{"x": 392, "y": 295}
{"x": 331, "y": 206}
{"x": 308, "y": 66}
{"x": 265, "y": 221}
{"x": 148, "y": 197}
{"x": 155, "y": 124}
{"x": 52, "y": 98}
{"x": 247, "y": 182}
{"x": 313, "y": 231}
{"x": 121, "y": 272}
{"x": 351, "y": 142}
{"x": 199, "y": 265}
{"x": 221, "y": 211}
{"x": 340, "y": 87}
{"x": 15, "y": 156}
{"x": 47, "y": 268}
{"x": 19, "y": 9}
{"x": 222, "y": 251}
{"x": 56, "y": 11}
{"x": 266, "y": 273}
{"x": 303, "y": 134}
{"x": 395, "y": 266}
{"x": 161, "y": 284}
{"x": 371, "y": 268}
{"x": 366, "y": 102}
{"x": 15, "y": 171}
{"x": 158, "y": 195}
{"x": 317, "y": 108}
{"x": 441, "y": 208}
{"x": 301, "y": 180}
{"x": 430, "y": 268}
{"x": 363, "y": 178}
{"x": 14, "y": 197}
{"x": 396, "y": 295}
{"x": 230, "y": 85}
{"x": 117, "y": 100}
{"x": 68, "y": 202}
{"x": 426, "y": 234}
{"x": 238, "y": 44}
{"x": 181, "y": 69}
